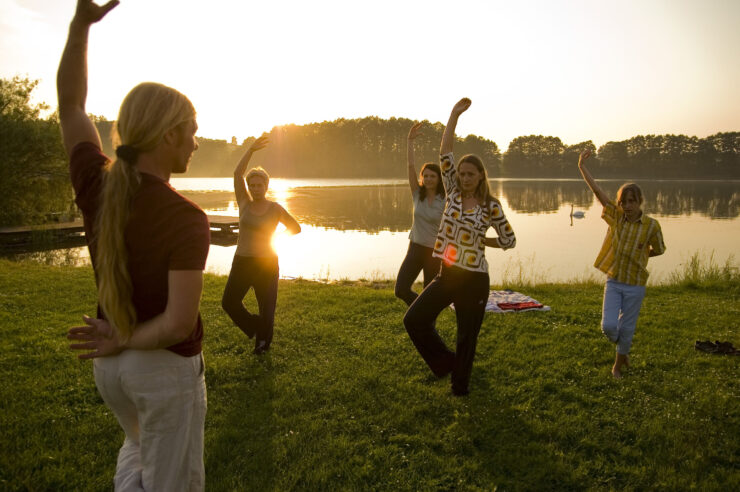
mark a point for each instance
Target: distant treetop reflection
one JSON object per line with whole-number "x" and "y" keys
{"x": 714, "y": 199}
{"x": 376, "y": 208}
{"x": 388, "y": 208}
{"x": 364, "y": 208}
{"x": 537, "y": 197}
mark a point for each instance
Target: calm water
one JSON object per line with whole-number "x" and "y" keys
{"x": 359, "y": 228}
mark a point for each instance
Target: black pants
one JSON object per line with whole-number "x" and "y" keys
{"x": 418, "y": 258}
{"x": 262, "y": 274}
{"x": 469, "y": 291}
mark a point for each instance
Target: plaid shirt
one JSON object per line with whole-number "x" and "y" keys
{"x": 627, "y": 245}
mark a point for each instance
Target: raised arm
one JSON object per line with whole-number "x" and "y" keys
{"x": 590, "y": 181}
{"x": 448, "y": 137}
{"x": 72, "y": 76}
{"x": 413, "y": 177}
{"x": 240, "y": 187}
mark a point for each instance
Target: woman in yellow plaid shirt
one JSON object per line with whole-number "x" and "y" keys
{"x": 631, "y": 239}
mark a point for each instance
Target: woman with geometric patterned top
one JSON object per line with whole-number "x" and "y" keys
{"x": 428, "y": 195}
{"x": 632, "y": 237}
{"x": 470, "y": 210}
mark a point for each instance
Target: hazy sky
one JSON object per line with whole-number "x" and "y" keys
{"x": 600, "y": 70}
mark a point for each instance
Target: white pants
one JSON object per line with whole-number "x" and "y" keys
{"x": 159, "y": 399}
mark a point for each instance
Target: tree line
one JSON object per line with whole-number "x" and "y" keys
{"x": 643, "y": 156}
{"x": 34, "y": 181}
{"x": 372, "y": 147}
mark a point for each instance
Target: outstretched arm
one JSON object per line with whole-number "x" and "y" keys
{"x": 72, "y": 76}
{"x": 590, "y": 181}
{"x": 413, "y": 178}
{"x": 240, "y": 187}
{"x": 448, "y": 137}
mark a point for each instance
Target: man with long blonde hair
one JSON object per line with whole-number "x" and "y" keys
{"x": 148, "y": 245}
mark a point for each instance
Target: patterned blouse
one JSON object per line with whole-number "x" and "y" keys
{"x": 461, "y": 235}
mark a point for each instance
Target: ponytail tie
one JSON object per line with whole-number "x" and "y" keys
{"x": 127, "y": 153}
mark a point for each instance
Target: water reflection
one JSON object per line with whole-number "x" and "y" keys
{"x": 66, "y": 256}
{"x": 388, "y": 207}
{"x": 365, "y": 208}
{"x": 714, "y": 199}
{"x": 361, "y": 231}
{"x": 361, "y": 208}
{"x": 537, "y": 197}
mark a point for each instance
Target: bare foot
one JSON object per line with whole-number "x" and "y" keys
{"x": 616, "y": 372}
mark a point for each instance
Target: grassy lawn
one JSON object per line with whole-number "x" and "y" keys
{"x": 344, "y": 402}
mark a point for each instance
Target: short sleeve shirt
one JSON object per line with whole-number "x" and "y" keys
{"x": 626, "y": 249}
{"x": 165, "y": 231}
{"x": 426, "y": 219}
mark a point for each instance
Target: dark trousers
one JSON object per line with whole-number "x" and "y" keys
{"x": 418, "y": 258}
{"x": 262, "y": 274}
{"x": 469, "y": 291}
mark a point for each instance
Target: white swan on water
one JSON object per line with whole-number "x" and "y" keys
{"x": 578, "y": 214}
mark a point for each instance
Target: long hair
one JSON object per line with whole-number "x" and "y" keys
{"x": 440, "y": 191}
{"x": 629, "y": 188}
{"x": 483, "y": 190}
{"x": 147, "y": 113}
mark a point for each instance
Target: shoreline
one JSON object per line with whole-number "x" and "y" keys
{"x": 701, "y": 275}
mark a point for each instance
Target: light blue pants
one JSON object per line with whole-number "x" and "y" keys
{"x": 619, "y": 313}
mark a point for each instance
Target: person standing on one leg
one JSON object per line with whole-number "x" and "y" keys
{"x": 470, "y": 209}
{"x": 428, "y": 195}
{"x": 631, "y": 239}
{"x": 255, "y": 262}
{"x": 148, "y": 245}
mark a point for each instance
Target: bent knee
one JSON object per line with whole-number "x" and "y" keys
{"x": 229, "y": 305}
{"x": 610, "y": 330}
{"x": 410, "y": 321}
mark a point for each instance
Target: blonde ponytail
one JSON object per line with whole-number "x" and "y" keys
{"x": 148, "y": 112}
{"x": 114, "y": 282}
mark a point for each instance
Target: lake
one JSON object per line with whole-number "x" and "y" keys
{"x": 354, "y": 229}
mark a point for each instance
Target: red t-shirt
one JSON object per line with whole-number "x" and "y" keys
{"x": 165, "y": 231}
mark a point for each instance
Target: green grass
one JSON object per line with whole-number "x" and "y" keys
{"x": 705, "y": 271}
{"x": 344, "y": 402}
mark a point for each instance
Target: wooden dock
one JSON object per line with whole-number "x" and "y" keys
{"x": 223, "y": 223}
{"x": 224, "y": 231}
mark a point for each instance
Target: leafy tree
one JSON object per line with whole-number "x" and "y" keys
{"x": 534, "y": 156}
{"x": 34, "y": 180}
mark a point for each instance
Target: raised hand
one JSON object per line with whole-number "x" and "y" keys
{"x": 260, "y": 143}
{"x": 88, "y": 12}
{"x": 97, "y": 336}
{"x": 414, "y": 131}
{"x": 461, "y": 106}
{"x": 585, "y": 154}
